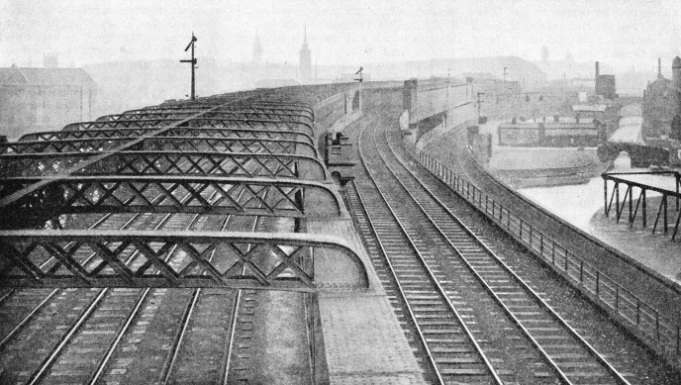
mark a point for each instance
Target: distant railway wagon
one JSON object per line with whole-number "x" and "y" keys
{"x": 550, "y": 134}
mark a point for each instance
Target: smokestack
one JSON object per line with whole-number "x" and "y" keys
{"x": 597, "y": 71}
{"x": 659, "y": 68}
{"x": 676, "y": 81}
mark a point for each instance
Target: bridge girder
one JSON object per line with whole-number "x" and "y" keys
{"x": 164, "y": 162}
{"x": 164, "y": 143}
{"x": 222, "y": 123}
{"x": 233, "y": 109}
{"x": 243, "y": 154}
{"x": 84, "y": 258}
{"x": 217, "y": 114}
{"x": 179, "y": 131}
{"x": 161, "y": 194}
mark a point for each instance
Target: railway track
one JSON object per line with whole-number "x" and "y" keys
{"x": 655, "y": 291}
{"x": 123, "y": 335}
{"x": 419, "y": 223}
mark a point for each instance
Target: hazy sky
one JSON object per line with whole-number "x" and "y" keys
{"x": 623, "y": 33}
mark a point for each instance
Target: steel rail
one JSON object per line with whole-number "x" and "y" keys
{"x": 6, "y": 295}
{"x": 431, "y": 276}
{"x": 561, "y": 375}
{"x": 410, "y": 311}
{"x": 105, "y": 360}
{"x": 109, "y": 352}
{"x": 37, "y": 308}
{"x": 27, "y": 319}
{"x": 49, "y": 361}
{"x": 590, "y": 349}
{"x": 177, "y": 344}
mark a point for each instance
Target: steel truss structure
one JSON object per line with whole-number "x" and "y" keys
{"x": 170, "y": 259}
{"x": 174, "y": 143}
{"x": 165, "y": 162}
{"x": 245, "y": 155}
{"x": 160, "y": 194}
{"x": 179, "y": 131}
{"x": 244, "y": 124}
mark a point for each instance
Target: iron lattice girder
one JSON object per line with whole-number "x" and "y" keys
{"x": 179, "y": 131}
{"x": 252, "y": 124}
{"x": 217, "y": 114}
{"x": 98, "y": 159}
{"x": 159, "y": 194}
{"x": 166, "y": 162}
{"x": 251, "y": 104}
{"x": 250, "y": 108}
{"x": 133, "y": 258}
{"x": 231, "y": 109}
{"x": 164, "y": 143}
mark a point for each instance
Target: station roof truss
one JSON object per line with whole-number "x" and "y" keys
{"x": 77, "y": 258}
{"x": 215, "y": 122}
{"x": 248, "y": 154}
{"x": 178, "y": 131}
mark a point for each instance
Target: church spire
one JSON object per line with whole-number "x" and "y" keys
{"x": 305, "y": 66}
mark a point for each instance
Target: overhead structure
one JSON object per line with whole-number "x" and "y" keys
{"x": 214, "y": 192}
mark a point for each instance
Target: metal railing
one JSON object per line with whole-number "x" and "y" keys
{"x": 652, "y": 324}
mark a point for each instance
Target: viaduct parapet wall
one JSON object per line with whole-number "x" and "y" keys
{"x": 435, "y": 103}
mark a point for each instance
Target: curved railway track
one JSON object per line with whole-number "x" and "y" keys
{"x": 651, "y": 287}
{"x": 422, "y": 239}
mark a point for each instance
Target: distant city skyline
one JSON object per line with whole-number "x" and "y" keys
{"x": 624, "y": 34}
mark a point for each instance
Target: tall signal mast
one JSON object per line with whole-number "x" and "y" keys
{"x": 193, "y": 62}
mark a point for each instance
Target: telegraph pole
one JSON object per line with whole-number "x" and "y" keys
{"x": 193, "y": 64}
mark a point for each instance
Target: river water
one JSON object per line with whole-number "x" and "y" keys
{"x": 578, "y": 203}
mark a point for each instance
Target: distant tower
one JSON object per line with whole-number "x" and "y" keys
{"x": 305, "y": 60}
{"x": 676, "y": 84}
{"x": 659, "y": 68}
{"x": 257, "y": 50}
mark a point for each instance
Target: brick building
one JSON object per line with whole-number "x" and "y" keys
{"x": 662, "y": 105}
{"x": 41, "y": 99}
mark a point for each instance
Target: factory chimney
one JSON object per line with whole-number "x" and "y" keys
{"x": 676, "y": 73}
{"x": 659, "y": 68}
{"x": 597, "y": 71}
{"x": 676, "y": 85}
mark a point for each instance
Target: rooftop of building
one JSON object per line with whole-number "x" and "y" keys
{"x": 44, "y": 76}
